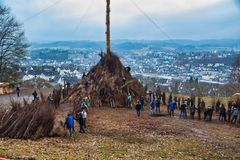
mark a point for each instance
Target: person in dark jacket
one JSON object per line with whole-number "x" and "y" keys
{"x": 229, "y": 110}
{"x": 164, "y": 98}
{"x": 207, "y": 113}
{"x": 229, "y": 113}
{"x": 18, "y": 90}
{"x": 183, "y": 110}
{"x": 217, "y": 108}
{"x": 211, "y": 112}
{"x": 138, "y": 108}
{"x": 35, "y": 95}
{"x": 81, "y": 122}
{"x": 199, "y": 111}
{"x": 158, "y": 103}
{"x": 70, "y": 124}
{"x": 192, "y": 111}
{"x": 222, "y": 114}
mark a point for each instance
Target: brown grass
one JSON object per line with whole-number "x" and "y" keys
{"x": 119, "y": 134}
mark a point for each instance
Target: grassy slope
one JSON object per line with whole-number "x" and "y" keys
{"x": 119, "y": 134}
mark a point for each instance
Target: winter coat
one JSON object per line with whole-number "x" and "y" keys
{"x": 80, "y": 118}
{"x": 138, "y": 107}
{"x": 158, "y": 103}
{"x": 222, "y": 110}
{"x": 183, "y": 107}
{"x": 235, "y": 112}
{"x": 70, "y": 121}
{"x": 172, "y": 106}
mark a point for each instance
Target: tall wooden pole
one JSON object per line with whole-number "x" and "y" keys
{"x": 108, "y": 45}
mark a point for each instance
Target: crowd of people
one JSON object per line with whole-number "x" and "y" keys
{"x": 188, "y": 107}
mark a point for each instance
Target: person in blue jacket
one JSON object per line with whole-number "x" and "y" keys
{"x": 171, "y": 108}
{"x": 234, "y": 114}
{"x": 69, "y": 123}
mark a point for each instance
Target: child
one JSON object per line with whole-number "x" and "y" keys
{"x": 70, "y": 123}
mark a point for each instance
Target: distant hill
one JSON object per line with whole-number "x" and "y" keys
{"x": 138, "y": 44}
{"x": 70, "y": 44}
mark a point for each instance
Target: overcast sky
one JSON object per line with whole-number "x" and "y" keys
{"x": 85, "y": 19}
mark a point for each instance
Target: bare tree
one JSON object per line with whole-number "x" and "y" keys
{"x": 235, "y": 73}
{"x": 12, "y": 45}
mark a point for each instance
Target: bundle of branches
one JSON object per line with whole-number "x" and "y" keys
{"x": 30, "y": 121}
{"x": 108, "y": 83}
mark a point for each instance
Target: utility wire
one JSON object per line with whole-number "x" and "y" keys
{"x": 42, "y": 11}
{"x": 84, "y": 15}
{"x": 150, "y": 19}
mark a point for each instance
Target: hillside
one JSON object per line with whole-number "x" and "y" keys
{"x": 137, "y": 44}
{"x": 119, "y": 134}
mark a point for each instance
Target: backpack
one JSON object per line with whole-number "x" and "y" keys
{"x": 235, "y": 112}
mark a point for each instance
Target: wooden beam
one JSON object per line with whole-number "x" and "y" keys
{"x": 108, "y": 45}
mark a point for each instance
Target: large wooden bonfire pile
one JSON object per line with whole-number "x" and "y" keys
{"x": 108, "y": 83}
{"x": 33, "y": 121}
